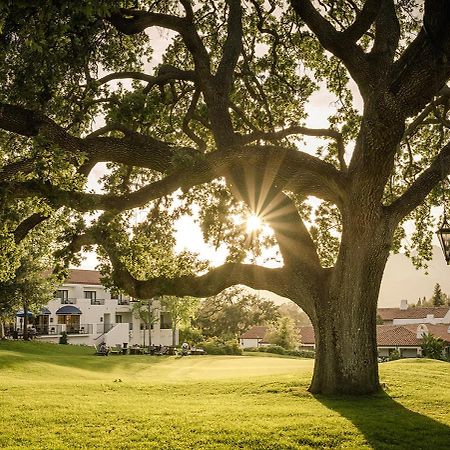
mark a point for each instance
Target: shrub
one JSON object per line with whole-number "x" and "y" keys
{"x": 433, "y": 347}
{"x": 191, "y": 335}
{"x": 394, "y": 354}
{"x": 63, "y": 339}
{"x": 302, "y": 353}
{"x": 214, "y": 346}
{"x": 251, "y": 349}
{"x": 277, "y": 349}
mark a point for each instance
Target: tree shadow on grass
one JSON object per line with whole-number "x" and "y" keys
{"x": 387, "y": 424}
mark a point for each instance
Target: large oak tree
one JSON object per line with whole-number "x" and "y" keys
{"x": 217, "y": 122}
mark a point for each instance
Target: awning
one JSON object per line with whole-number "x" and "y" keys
{"x": 22, "y": 314}
{"x": 68, "y": 310}
{"x": 44, "y": 312}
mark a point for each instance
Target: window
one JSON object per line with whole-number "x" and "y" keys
{"x": 115, "y": 295}
{"x": 62, "y": 294}
{"x": 118, "y": 318}
{"x": 92, "y": 295}
{"x": 165, "y": 321}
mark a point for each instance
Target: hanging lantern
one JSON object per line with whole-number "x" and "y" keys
{"x": 444, "y": 239}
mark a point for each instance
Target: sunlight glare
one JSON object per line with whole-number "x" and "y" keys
{"x": 254, "y": 223}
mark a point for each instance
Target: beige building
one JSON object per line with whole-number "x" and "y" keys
{"x": 91, "y": 314}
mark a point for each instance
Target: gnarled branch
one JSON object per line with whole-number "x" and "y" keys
{"x": 421, "y": 187}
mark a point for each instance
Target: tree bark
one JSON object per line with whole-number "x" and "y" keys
{"x": 25, "y": 322}
{"x": 345, "y": 314}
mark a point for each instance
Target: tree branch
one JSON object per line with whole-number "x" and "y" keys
{"x": 424, "y": 66}
{"x": 421, "y": 187}
{"x": 363, "y": 20}
{"x": 133, "y": 149}
{"x": 296, "y": 129}
{"x": 24, "y": 166}
{"x": 340, "y": 45}
{"x": 166, "y": 74}
{"x": 22, "y": 230}
{"x": 211, "y": 283}
{"x": 231, "y": 48}
{"x": 133, "y": 21}
{"x": 295, "y": 171}
{"x": 387, "y": 35}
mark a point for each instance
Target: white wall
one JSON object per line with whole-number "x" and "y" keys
{"x": 118, "y": 335}
{"x": 247, "y": 343}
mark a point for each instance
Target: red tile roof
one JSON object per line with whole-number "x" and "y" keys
{"x": 392, "y": 335}
{"x": 78, "y": 276}
{"x": 396, "y": 335}
{"x": 307, "y": 335}
{"x": 412, "y": 313}
{"x": 439, "y": 330}
{"x": 257, "y": 332}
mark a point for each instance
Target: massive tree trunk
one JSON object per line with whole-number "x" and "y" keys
{"x": 345, "y": 314}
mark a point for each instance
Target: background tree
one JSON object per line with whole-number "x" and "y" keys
{"x": 145, "y": 311}
{"x": 32, "y": 284}
{"x": 214, "y": 128}
{"x": 285, "y": 334}
{"x": 233, "y": 312}
{"x": 433, "y": 347}
{"x": 181, "y": 311}
{"x": 295, "y": 313}
{"x": 438, "y": 298}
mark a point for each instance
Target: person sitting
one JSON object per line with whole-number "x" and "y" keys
{"x": 102, "y": 350}
{"x": 184, "y": 349}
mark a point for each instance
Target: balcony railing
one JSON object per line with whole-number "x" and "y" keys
{"x": 123, "y": 301}
{"x": 97, "y": 301}
{"x": 86, "y": 328}
{"x": 67, "y": 301}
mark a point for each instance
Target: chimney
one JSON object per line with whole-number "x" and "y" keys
{"x": 403, "y": 304}
{"x": 422, "y": 330}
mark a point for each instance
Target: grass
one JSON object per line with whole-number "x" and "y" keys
{"x": 63, "y": 397}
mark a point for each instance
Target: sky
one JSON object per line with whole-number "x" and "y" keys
{"x": 401, "y": 279}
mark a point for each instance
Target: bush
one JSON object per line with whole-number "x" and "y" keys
{"x": 302, "y": 353}
{"x": 63, "y": 339}
{"x": 191, "y": 335}
{"x": 433, "y": 347}
{"x": 214, "y": 346}
{"x": 393, "y": 355}
{"x": 251, "y": 349}
{"x": 277, "y": 349}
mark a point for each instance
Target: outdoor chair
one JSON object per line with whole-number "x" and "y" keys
{"x": 117, "y": 350}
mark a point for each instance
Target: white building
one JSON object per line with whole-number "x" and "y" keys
{"x": 91, "y": 314}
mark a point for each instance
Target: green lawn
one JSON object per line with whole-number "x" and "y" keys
{"x": 63, "y": 397}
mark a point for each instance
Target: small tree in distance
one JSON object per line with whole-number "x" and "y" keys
{"x": 433, "y": 347}
{"x": 285, "y": 334}
{"x": 439, "y": 298}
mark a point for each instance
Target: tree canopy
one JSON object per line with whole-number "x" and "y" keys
{"x": 213, "y": 125}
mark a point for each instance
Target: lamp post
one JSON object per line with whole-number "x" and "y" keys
{"x": 444, "y": 239}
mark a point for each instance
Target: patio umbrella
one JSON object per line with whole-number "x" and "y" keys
{"x": 22, "y": 314}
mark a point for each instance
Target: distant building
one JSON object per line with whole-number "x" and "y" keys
{"x": 255, "y": 337}
{"x": 405, "y": 339}
{"x": 91, "y": 314}
{"x": 402, "y": 330}
{"x": 405, "y": 315}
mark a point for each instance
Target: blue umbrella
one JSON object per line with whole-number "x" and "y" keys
{"x": 22, "y": 314}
